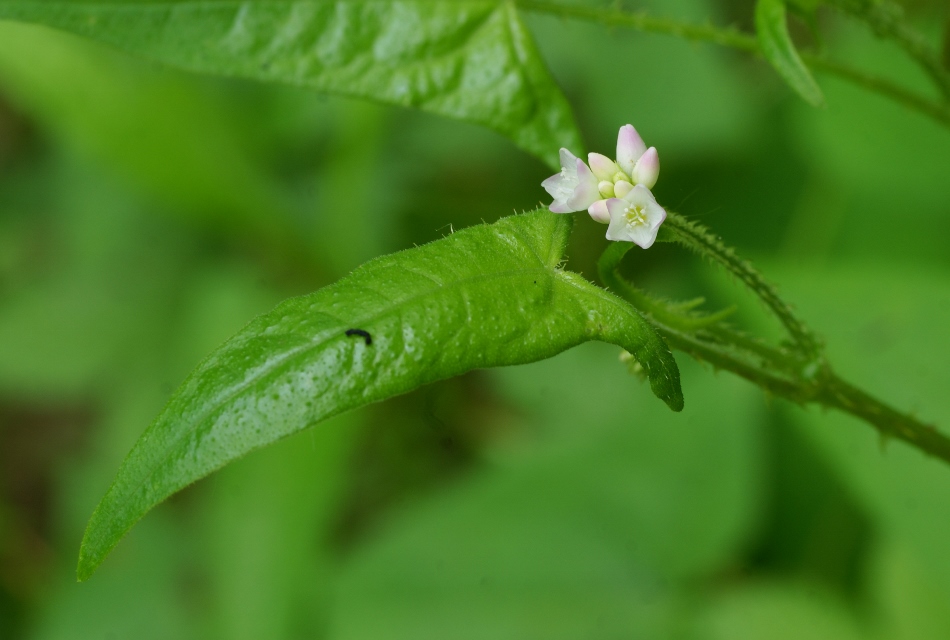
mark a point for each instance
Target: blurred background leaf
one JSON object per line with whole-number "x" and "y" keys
{"x": 106, "y": 105}
{"x": 589, "y": 532}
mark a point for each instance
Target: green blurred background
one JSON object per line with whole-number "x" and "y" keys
{"x": 146, "y": 215}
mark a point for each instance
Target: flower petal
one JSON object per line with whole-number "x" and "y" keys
{"x": 647, "y": 169}
{"x": 555, "y": 183}
{"x": 629, "y": 148}
{"x": 561, "y": 188}
{"x": 599, "y": 212}
{"x": 656, "y": 215}
{"x": 641, "y": 196}
{"x": 585, "y": 193}
{"x": 643, "y": 235}
{"x": 618, "y": 229}
{"x": 602, "y": 166}
{"x": 568, "y": 162}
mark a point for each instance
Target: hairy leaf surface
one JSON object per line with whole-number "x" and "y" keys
{"x": 777, "y": 47}
{"x": 471, "y": 61}
{"x": 488, "y": 296}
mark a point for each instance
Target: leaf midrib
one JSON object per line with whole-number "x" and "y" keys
{"x": 317, "y": 341}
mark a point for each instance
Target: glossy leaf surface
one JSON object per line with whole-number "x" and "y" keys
{"x": 777, "y": 47}
{"x": 488, "y": 296}
{"x": 472, "y": 61}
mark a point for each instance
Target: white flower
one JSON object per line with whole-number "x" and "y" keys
{"x": 575, "y": 188}
{"x": 635, "y": 165}
{"x": 635, "y": 218}
{"x": 579, "y": 187}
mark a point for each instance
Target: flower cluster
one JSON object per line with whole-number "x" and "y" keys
{"x": 613, "y": 192}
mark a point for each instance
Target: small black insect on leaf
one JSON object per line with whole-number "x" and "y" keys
{"x": 359, "y": 332}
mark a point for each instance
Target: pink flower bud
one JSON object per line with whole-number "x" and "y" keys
{"x": 647, "y": 169}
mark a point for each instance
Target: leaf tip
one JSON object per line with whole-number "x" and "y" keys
{"x": 92, "y": 551}
{"x": 676, "y": 402}
{"x": 669, "y": 389}
{"x": 87, "y": 564}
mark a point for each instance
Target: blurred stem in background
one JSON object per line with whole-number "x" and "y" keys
{"x": 886, "y": 24}
{"x": 887, "y": 21}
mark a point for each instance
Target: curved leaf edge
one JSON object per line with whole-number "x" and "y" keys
{"x": 771, "y": 26}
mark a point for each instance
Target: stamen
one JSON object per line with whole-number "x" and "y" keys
{"x": 634, "y": 215}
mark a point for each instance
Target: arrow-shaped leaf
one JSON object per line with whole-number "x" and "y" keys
{"x": 488, "y": 296}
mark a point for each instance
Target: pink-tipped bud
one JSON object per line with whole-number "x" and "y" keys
{"x": 647, "y": 169}
{"x": 599, "y": 212}
{"x": 629, "y": 148}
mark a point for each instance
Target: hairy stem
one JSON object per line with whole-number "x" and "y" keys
{"x": 792, "y": 376}
{"x": 697, "y": 238}
{"x": 734, "y": 39}
{"x": 839, "y": 394}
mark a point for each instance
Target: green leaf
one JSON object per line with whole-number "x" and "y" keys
{"x": 488, "y": 296}
{"x": 472, "y": 61}
{"x": 779, "y": 50}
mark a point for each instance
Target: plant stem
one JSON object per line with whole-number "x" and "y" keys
{"x": 729, "y": 37}
{"x": 939, "y": 112}
{"x": 734, "y": 39}
{"x": 801, "y": 380}
{"x": 698, "y": 239}
{"x": 841, "y": 395}
{"x": 886, "y": 19}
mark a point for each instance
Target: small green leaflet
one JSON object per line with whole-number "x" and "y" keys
{"x": 472, "y": 61}
{"x": 487, "y": 296}
{"x": 778, "y": 48}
